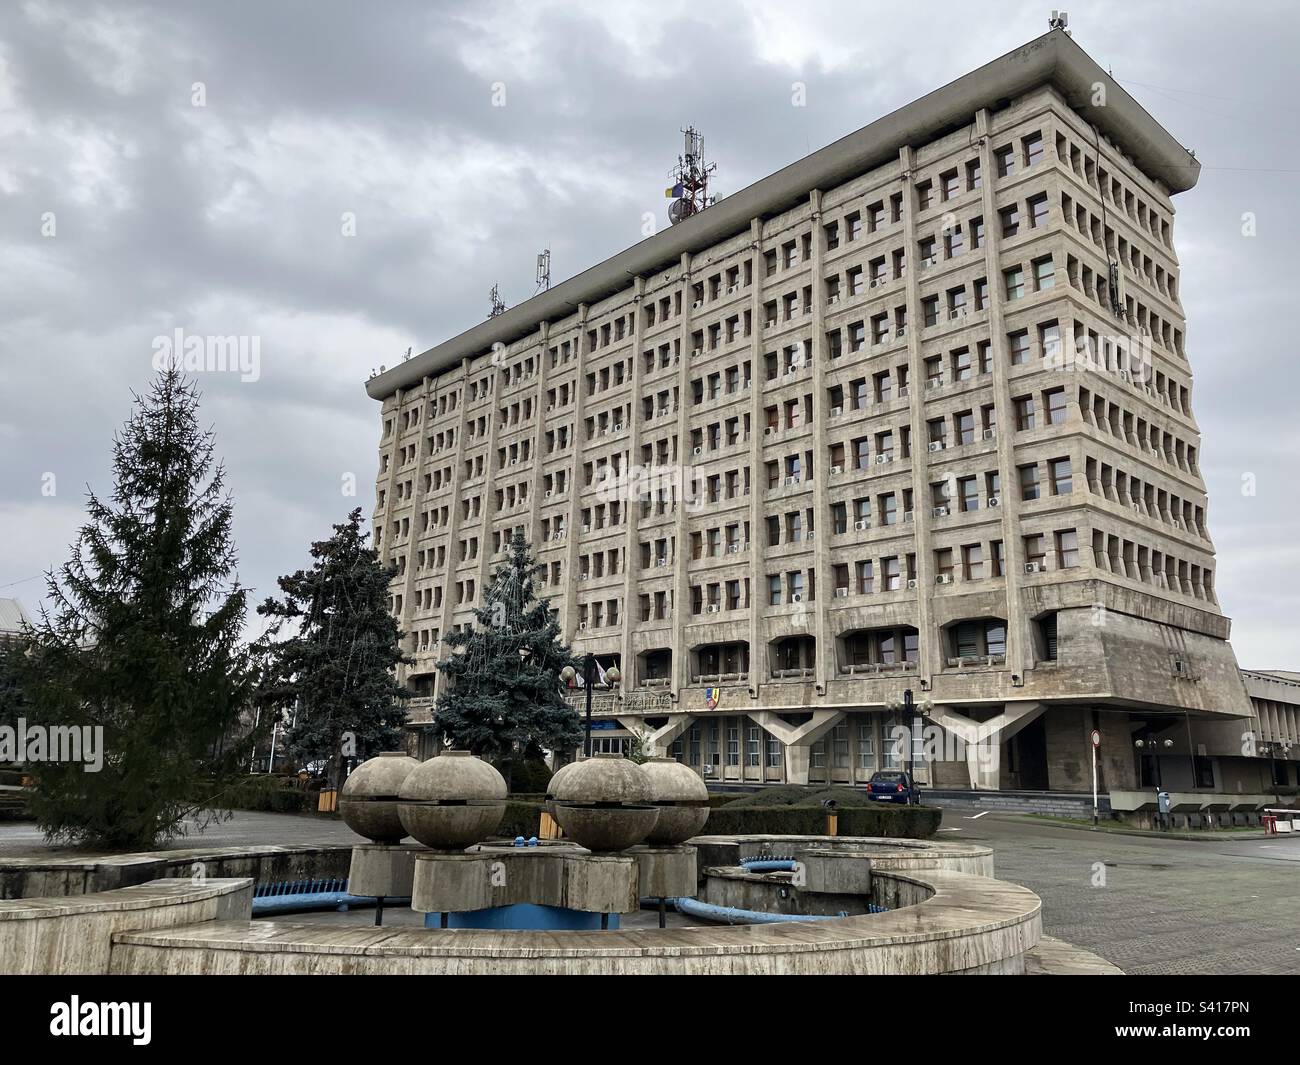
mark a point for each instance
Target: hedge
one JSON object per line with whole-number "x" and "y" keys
{"x": 809, "y": 819}
{"x": 268, "y": 793}
{"x": 800, "y": 795}
{"x": 521, "y": 819}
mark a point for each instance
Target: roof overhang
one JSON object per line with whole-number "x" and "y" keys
{"x": 1052, "y": 59}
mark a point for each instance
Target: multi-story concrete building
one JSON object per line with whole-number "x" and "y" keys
{"x": 912, "y": 413}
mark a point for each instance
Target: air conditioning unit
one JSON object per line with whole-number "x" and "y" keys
{"x": 832, "y": 300}
{"x": 933, "y": 382}
{"x": 955, "y": 313}
{"x": 582, "y": 626}
{"x": 936, "y": 445}
{"x": 994, "y": 501}
{"x": 911, "y": 584}
{"x": 770, "y": 324}
{"x": 808, "y": 309}
{"x": 661, "y": 562}
{"x": 882, "y": 459}
{"x": 550, "y": 492}
{"x": 583, "y": 576}
{"x": 903, "y": 391}
{"x": 586, "y": 528}
{"x": 836, "y": 411}
{"x": 792, "y": 479}
{"x": 733, "y": 549}
{"x": 841, "y": 593}
{"x": 933, "y": 260}
{"x": 793, "y": 368}
{"x": 697, "y": 304}
{"x": 797, "y": 597}
{"x": 837, "y": 469}
{"x": 901, "y": 331}
{"x": 939, "y": 512}
{"x": 713, "y": 608}
{"x": 861, "y": 524}
{"x": 943, "y": 578}
{"x": 769, "y": 430}
{"x": 1124, "y": 376}
{"x": 514, "y": 462}
{"x": 618, "y": 427}
{"x": 1033, "y": 567}
{"x": 550, "y": 407}
{"x": 697, "y": 451}
{"x": 909, "y": 515}
{"x": 990, "y": 434}
{"x": 695, "y": 354}
{"x": 663, "y": 412}
{"x": 732, "y": 289}
{"x": 876, "y": 282}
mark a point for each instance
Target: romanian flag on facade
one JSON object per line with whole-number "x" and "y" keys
{"x": 674, "y": 192}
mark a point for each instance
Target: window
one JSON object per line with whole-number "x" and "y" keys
{"x": 972, "y": 562}
{"x": 949, "y": 184}
{"x": 774, "y": 590}
{"x": 1067, "y": 548}
{"x": 976, "y": 233}
{"x": 973, "y": 178}
{"x": 752, "y": 747}
{"x": 1005, "y": 158}
{"x": 892, "y": 576}
{"x": 1015, "y": 282}
{"x": 866, "y": 748}
{"x": 1010, "y": 217}
{"x": 1024, "y": 406}
{"x": 1018, "y": 347}
{"x": 1033, "y": 145}
{"x": 1044, "y": 274}
{"x": 1038, "y": 211}
{"x": 1029, "y": 482}
{"x": 1062, "y": 484}
{"x": 1056, "y": 409}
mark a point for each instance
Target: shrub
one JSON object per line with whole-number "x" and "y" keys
{"x": 799, "y": 795}
{"x": 809, "y": 819}
{"x": 530, "y": 776}
{"x": 521, "y": 819}
{"x": 266, "y": 793}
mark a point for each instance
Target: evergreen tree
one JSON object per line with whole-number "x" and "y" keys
{"x": 505, "y": 699}
{"x": 331, "y": 651}
{"x": 143, "y": 637}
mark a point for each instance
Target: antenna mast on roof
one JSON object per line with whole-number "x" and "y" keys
{"x": 1058, "y": 21}
{"x": 497, "y": 306}
{"x": 543, "y": 270}
{"x": 690, "y": 188}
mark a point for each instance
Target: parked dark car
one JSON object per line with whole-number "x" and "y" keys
{"x": 893, "y": 785}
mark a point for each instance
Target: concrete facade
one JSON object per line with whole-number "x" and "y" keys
{"x": 914, "y": 412}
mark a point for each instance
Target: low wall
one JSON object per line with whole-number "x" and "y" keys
{"x": 85, "y": 874}
{"x": 886, "y": 853}
{"x": 965, "y": 924}
{"x": 73, "y": 935}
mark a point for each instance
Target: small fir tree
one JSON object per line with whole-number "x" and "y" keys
{"x": 331, "y": 652}
{"x": 505, "y": 699}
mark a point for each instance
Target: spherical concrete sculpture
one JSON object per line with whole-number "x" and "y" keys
{"x": 603, "y": 803}
{"x": 368, "y": 801}
{"x": 682, "y": 798}
{"x": 452, "y": 801}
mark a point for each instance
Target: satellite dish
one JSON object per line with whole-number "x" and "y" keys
{"x": 680, "y": 209}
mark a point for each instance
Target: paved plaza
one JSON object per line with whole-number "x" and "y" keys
{"x": 1222, "y": 905}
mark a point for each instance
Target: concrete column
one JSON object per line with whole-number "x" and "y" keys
{"x": 984, "y": 739}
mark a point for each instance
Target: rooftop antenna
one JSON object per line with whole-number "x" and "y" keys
{"x": 498, "y": 308}
{"x": 543, "y": 270}
{"x": 690, "y": 188}
{"x": 1058, "y": 21}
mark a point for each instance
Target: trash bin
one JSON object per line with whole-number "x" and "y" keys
{"x": 328, "y": 801}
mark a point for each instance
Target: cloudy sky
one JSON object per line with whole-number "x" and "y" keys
{"x": 338, "y": 180}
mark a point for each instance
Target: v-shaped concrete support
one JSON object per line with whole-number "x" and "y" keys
{"x": 797, "y": 739}
{"x": 983, "y": 739}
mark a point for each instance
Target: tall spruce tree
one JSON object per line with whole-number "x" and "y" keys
{"x": 505, "y": 698}
{"x": 331, "y": 650}
{"x": 143, "y": 637}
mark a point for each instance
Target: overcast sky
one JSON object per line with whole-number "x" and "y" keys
{"x": 338, "y": 181}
